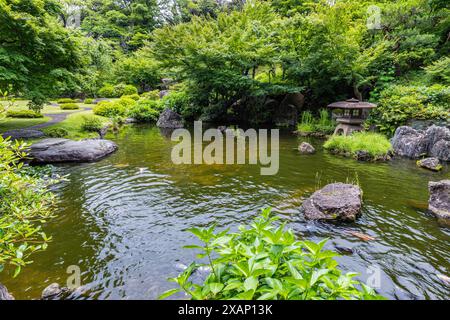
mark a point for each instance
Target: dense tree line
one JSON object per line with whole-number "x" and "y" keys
{"x": 229, "y": 54}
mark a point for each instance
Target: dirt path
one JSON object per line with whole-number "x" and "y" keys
{"x": 55, "y": 118}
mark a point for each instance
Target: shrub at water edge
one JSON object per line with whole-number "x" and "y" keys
{"x": 375, "y": 144}
{"x": 24, "y": 114}
{"x": 266, "y": 262}
{"x": 69, "y": 106}
{"x": 24, "y": 209}
{"x": 145, "y": 111}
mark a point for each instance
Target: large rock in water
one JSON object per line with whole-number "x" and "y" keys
{"x": 432, "y": 164}
{"x": 169, "y": 119}
{"x": 411, "y": 143}
{"x": 65, "y": 150}
{"x": 439, "y": 202}
{"x": 336, "y": 201}
{"x": 306, "y": 148}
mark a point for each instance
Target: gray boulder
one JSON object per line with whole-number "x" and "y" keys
{"x": 54, "y": 291}
{"x": 24, "y": 134}
{"x": 336, "y": 201}
{"x": 411, "y": 143}
{"x": 65, "y": 150}
{"x": 439, "y": 202}
{"x": 4, "y": 294}
{"x": 306, "y": 148}
{"x": 169, "y": 119}
{"x": 163, "y": 93}
{"x": 430, "y": 164}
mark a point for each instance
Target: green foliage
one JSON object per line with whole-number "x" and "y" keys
{"x": 439, "y": 71}
{"x": 89, "y": 101}
{"x": 107, "y": 91}
{"x": 36, "y": 104}
{"x": 24, "y": 209}
{"x": 39, "y": 57}
{"x": 323, "y": 124}
{"x": 145, "y": 111}
{"x": 377, "y": 145}
{"x": 56, "y": 133}
{"x": 69, "y": 106}
{"x": 134, "y": 96}
{"x": 400, "y": 103}
{"x": 180, "y": 102}
{"x": 23, "y": 114}
{"x": 129, "y": 90}
{"x": 264, "y": 261}
{"x": 65, "y": 100}
{"x": 91, "y": 123}
{"x": 114, "y": 108}
{"x": 152, "y": 95}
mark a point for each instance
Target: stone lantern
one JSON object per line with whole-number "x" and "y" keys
{"x": 350, "y": 115}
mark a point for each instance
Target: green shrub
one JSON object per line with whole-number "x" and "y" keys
{"x": 264, "y": 261}
{"x": 179, "y": 101}
{"x": 109, "y": 109}
{"x": 145, "y": 111}
{"x": 440, "y": 71}
{"x": 24, "y": 114}
{"x": 25, "y": 207}
{"x": 135, "y": 96}
{"x": 152, "y": 95}
{"x": 129, "y": 90}
{"x": 108, "y": 91}
{"x": 56, "y": 133}
{"x": 65, "y": 100}
{"x": 377, "y": 145}
{"x": 91, "y": 124}
{"x": 89, "y": 101}
{"x": 114, "y": 108}
{"x": 398, "y": 104}
{"x": 307, "y": 122}
{"x": 69, "y": 106}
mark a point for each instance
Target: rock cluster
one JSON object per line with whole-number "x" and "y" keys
{"x": 432, "y": 142}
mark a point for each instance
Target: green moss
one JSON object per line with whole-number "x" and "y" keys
{"x": 377, "y": 145}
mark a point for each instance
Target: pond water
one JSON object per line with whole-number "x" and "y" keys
{"x": 122, "y": 220}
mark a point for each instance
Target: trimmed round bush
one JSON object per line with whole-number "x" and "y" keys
{"x": 109, "y": 109}
{"x": 69, "y": 106}
{"x": 129, "y": 90}
{"x": 56, "y": 132}
{"x": 108, "y": 91}
{"x": 65, "y": 100}
{"x": 145, "y": 111}
{"x": 135, "y": 96}
{"x": 89, "y": 101}
{"x": 24, "y": 114}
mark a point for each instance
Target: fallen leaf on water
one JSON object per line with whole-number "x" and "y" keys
{"x": 362, "y": 236}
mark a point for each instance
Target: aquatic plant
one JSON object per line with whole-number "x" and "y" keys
{"x": 377, "y": 145}
{"x": 265, "y": 261}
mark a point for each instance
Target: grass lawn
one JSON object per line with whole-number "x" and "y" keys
{"x": 19, "y": 123}
{"x": 22, "y": 105}
{"x": 73, "y": 125}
